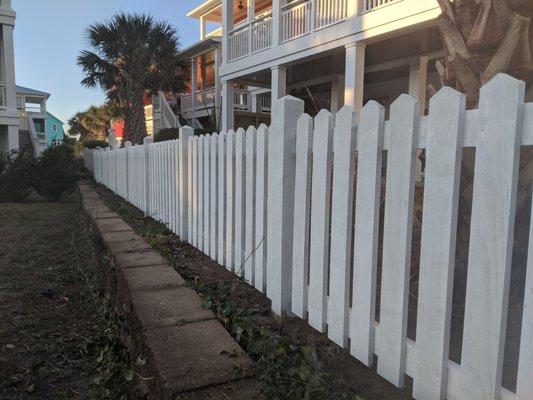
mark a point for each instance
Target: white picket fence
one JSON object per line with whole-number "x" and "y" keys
{"x": 276, "y": 205}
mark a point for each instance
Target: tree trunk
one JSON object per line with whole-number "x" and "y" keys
{"x": 137, "y": 121}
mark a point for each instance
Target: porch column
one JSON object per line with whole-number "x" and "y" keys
{"x": 202, "y": 27}
{"x": 12, "y": 137}
{"x": 254, "y": 102}
{"x": 354, "y": 76}
{"x": 218, "y": 88}
{"x": 9, "y": 66}
{"x": 227, "y": 27}
{"x": 337, "y": 93}
{"x": 418, "y": 74}
{"x": 279, "y": 82}
{"x": 194, "y": 85}
{"x": 227, "y": 106}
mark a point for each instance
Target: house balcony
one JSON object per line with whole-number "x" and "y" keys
{"x": 299, "y": 28}
{"x": 203, "y": 102}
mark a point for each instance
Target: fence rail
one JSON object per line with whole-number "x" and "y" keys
{"x": 276, "y": 205}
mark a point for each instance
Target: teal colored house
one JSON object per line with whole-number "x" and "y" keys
{"x": 54, "y": 129}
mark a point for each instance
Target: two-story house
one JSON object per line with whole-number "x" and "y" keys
{"x": 327, "y": 52}
{"x": 9, "y": 115}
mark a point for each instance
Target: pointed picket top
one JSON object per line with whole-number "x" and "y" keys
{"x": 446, "y": 95}
{"x": 502, "y": 84}
{"x": 250, "y": 130}
{"x": 323, "y": 121}
{"x": 371, "y": 112}
{"x": 262, "y": 128}
{"x": 304, "y": 123}
{"x": 214, "y": 136}
{"x": 345, "y": 118}
{"x": 186, "y": 131}
{"x": 128, "y": 143}
{"x": 287, "y": 109}
{"x": 403, "y": 103}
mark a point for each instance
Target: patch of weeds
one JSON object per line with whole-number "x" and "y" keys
{"x": 121, "y": 211}
{"x": 285, "y": 371}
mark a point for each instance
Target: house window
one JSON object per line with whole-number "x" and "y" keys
{"x": 54, "y": 127}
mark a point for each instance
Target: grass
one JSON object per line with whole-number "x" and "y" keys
{"x": 59, "y": 335}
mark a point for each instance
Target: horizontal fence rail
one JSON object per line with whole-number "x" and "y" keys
{"x": 294, "y": 208}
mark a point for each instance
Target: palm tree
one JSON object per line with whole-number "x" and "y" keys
{"x": 130, "y": 56}
{"x": 482, "y": 38}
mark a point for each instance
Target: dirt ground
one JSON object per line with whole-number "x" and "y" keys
{"x": 197, "y": 268}
{"x": 50, "y": 327}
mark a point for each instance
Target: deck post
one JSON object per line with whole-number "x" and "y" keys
{"x": 354, "y": 76}
{"x": 227, "y": 106}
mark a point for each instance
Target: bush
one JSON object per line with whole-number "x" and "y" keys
{"x": 94, "y": 143}
{"x": 56, "y": 172}
{"x": 163, "y": 135}
{"x": 16, "y": 174}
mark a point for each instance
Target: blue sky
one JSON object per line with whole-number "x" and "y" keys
{"x": 49, "y": 36}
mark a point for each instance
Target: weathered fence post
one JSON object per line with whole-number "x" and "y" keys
{"x": 186, "y": 133}
{"x": 280, "y": 213}
{"x": 146, "y": 142}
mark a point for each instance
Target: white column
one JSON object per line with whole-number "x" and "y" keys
{"x": 254, "y": 103}
{"x": 337, "y": 93}
{"x": 278, "y": 83}
{"x": 202, "y": 28}
{"x": 276, "y": 23}
{"x": 354, "y": 76}
{"x": 218, "y": 88}
{"x": 12, "y": 137}
{"x": 9, "y": 66}
{"x": 227, "y": 26}
{"x": 194, "y": 84}
{"x": 418, "y": 74}
{"x": 227, "y": 106}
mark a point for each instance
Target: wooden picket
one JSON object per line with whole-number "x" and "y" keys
{"x": 295, "y": 209}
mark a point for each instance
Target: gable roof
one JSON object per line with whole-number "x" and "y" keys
{"x": 48, "y": 113}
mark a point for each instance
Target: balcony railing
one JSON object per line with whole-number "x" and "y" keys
{"x": 202, "y": 100}
{"x": 250, "y": 38}
{"x": 369, "y": 5}
{"x": 242, "y": 100}
{"x": 300, "y": 18}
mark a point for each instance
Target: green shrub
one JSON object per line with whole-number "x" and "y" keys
{"x": 163, "y": 135}
{"x": 16, "y": 172}
{"x": 94, "y": 143}
{"x": 56, "y": 172}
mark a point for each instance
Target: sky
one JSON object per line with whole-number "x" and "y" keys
{"x": 49, "y": 36}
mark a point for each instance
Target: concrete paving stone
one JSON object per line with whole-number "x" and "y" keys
{"x": 151, "y": 278}
{"x": 130, "y": 246}
{"x": 105, "y": 215}
{"x": 196, "y": 355}
{"x": 169, "y": 306}
{"x": 112, "y": 225}
{"x": 126, "y": 236}
{"x": 138, "y": 259}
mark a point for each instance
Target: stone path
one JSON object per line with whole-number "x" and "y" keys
{"x": 188, "y": 348}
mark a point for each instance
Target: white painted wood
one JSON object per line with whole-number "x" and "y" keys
{"x": 397, "y": 236}
{"x": 214, "y": 197}
{"x": 183, "y": 181}
{"x": 320, "y": 218}
{"x": 221, "y": 234}
{"x": 249, "y": 231}
{"x": 230, "y": 199}
{"x": 368, "y": 191}
{"x": 261, "y": 186}
{"x": 207, "y": 192}
{"x": 437, "y": 255}
{"x": 341, "y": 225}
{"x": 280, "y": 210}
{"x": 200, "y": 201}
{"x": 302, "y": 215}
{"x": 240, "y": 200}
{"x": 190, "y": 185}
{"x": 524, "y": 381}
{"x": 195, "y": 191}
{"x": 491, "y": 236}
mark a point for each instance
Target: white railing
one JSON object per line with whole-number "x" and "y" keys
{"x": 298, "y": 19}
{"x": 242, "y": 100}
{"x": 369, "y": 5}
{"x": 265, "y": 103}
{"x": 250, "y": 38}
{"x": 163, "y": 115}
{"x": 314, "y": 249}
{"x": 202, "y": 100}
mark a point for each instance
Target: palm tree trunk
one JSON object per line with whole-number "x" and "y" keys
{"x": 137, "y": 118}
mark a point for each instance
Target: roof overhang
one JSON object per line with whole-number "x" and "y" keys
{"x": 210, "y": 10}
{"x": 200, "y": 47}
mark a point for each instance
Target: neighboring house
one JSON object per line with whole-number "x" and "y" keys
{"x": 9, "y": 116}
{"x": 54, "y": 130}
{"x": 327, "y": 52}
{"x": 31, "y": 104}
